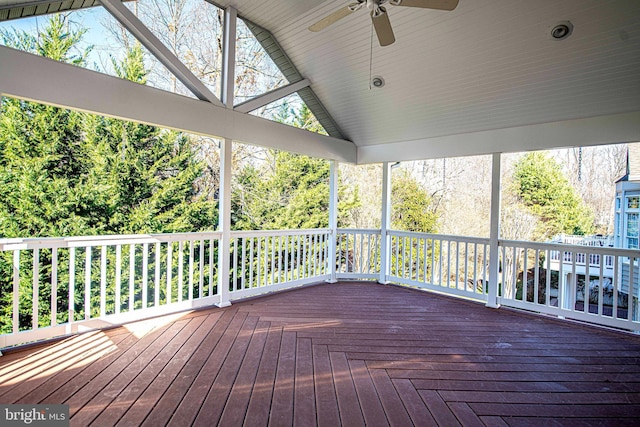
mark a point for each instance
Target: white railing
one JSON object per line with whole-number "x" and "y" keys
{"x": 459, "y": 266}
{"x": 581, "y": 258}
{"x": 533, "y": 278}
{"x": 451, "y": 264}
{"x": 66, "y": 285}
{"x": 265, "y": 261}
{"x": 358, "y": 254}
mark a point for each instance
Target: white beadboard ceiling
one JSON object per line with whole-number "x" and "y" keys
{"x": 483, "y": 78}
{"x": 487, "y": 65}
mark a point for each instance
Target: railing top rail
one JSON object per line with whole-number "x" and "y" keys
{"x": 470, "y": 239}
{"x": 275, "y": 233}
{"x": 571, "y": 248}
{"x": 105, "y": 240}
{"x": 360, "y": 230}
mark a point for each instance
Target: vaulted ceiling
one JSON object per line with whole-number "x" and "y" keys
{"x": 487, "y": 65}
{"x": 485, "y": 77}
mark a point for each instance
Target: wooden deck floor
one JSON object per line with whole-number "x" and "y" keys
{"x": 343, "y": 354}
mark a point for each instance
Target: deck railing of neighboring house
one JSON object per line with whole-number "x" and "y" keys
{"x": 582, "y": 261}
{"x": 65, "y": 285}
{"x": 591, "y": 240}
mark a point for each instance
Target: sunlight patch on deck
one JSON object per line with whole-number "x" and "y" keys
{"x": 76, "y": 351}
{"x": 143, "y": 327}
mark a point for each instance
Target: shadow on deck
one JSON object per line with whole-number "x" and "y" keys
{"x": 349, "y": 353}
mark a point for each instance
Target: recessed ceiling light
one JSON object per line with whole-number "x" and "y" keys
{"x": 561, "y": 30}
{"x": 377, "y": 81}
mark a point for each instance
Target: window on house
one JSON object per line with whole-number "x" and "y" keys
{"x": 632, "y": 231}
{"x": 632, "y": 214}
{"x": 617, "y": 226}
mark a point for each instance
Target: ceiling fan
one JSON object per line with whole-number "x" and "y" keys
{"x": 379, "y": 15}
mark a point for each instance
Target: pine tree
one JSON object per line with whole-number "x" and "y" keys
{"x": 546, "y": 192}
{"x": 289, "y": 191}
{"x": 412, "y": 209}
{"x": 152, "y": 171}
{"x": 292, "y": 194}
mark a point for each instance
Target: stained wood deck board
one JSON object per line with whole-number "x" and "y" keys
{"x": 350, "y": 353}
{"x": 281, "y": 413}
{"x": 136, "y": 413}
{"x": 261, "y": 394}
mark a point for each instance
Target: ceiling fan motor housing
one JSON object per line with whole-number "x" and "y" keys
{"x": 379, "y": 15}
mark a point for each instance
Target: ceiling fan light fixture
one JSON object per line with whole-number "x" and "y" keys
{"x": 561, "y": 30}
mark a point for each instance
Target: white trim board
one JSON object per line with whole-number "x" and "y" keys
{"x": 611, "y": 129}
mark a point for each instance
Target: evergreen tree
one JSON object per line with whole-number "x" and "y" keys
{"x": 546, "y": 192}
{"x": 412, "y": 209}
{"x": 306, "y": 120}
{"x": 42, "y": 156}
{"x": 42, "y": 160}
{"x": 291, "y": 192}
{"x": 150, "y": 172}
{"x": 300, "y": 117}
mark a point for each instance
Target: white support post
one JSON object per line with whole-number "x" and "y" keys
{"x": 385, "y": 242}
{"x": 494, "y": 233}
{"x": 333, "y": 220}
{"x": 224, "y": 210}
{"x": 229, "y": 56}
{"x": 224, "y": 223}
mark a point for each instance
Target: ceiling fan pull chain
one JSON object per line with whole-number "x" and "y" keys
{"x": 371, "y": 56}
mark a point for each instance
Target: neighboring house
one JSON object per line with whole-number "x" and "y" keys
{"x": 628, "y": 202}
{"x": 625, "y": 235}
{"x": 627, "y": 213}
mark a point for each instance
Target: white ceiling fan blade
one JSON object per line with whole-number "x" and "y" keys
{"x": 335, "y": 16}
{"x": 427, "y": 4}
{"x": 382, "y": 25}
